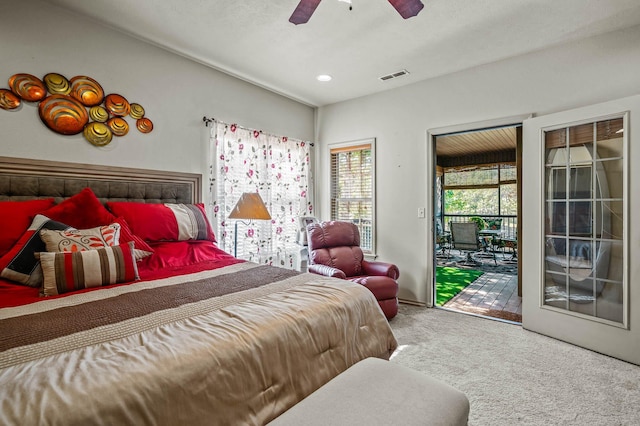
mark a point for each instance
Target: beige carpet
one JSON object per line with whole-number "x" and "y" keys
{"x": 515, "y": 377}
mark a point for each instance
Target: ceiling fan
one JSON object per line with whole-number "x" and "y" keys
{"x": 406, "y": 9}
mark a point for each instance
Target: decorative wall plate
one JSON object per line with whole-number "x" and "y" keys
{"x": 136, "y": 111}
{"x": 144, "y": 125}
{"x": 118, "y": 126}
{"x": 28, "y": 87}
{"x": 86, "y": 90}
{"x": 8, "y": 99}
{"x": 71, "y": 106}
{"x": 98, "y": 134}
{"x": 63, "y": 114}
{"x": 117, "y": 105}
{"x": 57, "y": 84}
{"x": 98, "y": 113}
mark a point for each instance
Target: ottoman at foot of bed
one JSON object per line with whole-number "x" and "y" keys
{"x": 378, "y": 392}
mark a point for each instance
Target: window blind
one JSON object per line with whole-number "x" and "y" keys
{"x": 352, "y": 189}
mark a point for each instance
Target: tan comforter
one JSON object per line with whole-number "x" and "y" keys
{"x": 236, "y": 345}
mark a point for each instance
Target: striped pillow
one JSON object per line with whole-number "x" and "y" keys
{"x": 72, "y": 271}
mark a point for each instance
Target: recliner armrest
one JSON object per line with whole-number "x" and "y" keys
{"x": 327, "y": 271}
{"x": 381, "y": 269}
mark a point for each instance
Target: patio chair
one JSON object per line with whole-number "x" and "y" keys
{"x": 443, "y": 241}
{"x": 494, "y": 242}
{"x": 511, "y": 244}
{"x": 464, "y": 236}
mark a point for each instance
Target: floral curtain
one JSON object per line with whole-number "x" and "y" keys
{"x": 279, "y": 169}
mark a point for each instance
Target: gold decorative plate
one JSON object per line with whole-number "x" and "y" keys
{"x": 98, "y": 134}
{"x": 118, "y": 126}
{"x": 98, "y": 113}
{"x": 144, "y": 125}
{"x": 8, "y": 99}
{"x": 63, "y": 114}
{"x": 28, "y": 87}
{"x": 86, "y": 90}
{"x": 117, "y": 105}
{"x": 136, "y": 111}
{"x": 57, "y": 84}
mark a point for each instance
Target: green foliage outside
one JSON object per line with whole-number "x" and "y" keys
{"x": 480, "y": 222}
{"x": 481, "y": 201}
{"x": 493, "y": 192}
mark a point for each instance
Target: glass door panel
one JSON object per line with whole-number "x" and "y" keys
{"x": 581, "y": 192}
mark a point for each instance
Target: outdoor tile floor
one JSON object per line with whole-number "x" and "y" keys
{"x": 494, "y": 293}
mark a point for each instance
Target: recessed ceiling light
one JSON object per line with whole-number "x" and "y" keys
{"x": 324, "y": 77}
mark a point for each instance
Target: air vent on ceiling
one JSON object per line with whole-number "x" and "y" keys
{"x": 394, "y": 75}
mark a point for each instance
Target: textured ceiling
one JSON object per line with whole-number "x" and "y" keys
{"x": 253, "y": 40}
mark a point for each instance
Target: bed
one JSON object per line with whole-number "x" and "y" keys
{"x": 187, "y": 334}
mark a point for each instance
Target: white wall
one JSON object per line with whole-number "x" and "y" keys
{"x": 567, "y": 76}
{"x": 37, "y": 38}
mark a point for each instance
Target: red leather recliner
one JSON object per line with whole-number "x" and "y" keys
{"x": 334, "y": 251}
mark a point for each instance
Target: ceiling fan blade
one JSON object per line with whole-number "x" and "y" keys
{"x": 304, "y": 11}
{"x": 407, "y": 8}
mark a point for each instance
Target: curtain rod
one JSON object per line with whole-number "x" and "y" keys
{"x": 208, "y": 120}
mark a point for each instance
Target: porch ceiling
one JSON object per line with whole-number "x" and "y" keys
{"x": 476, "y": 142}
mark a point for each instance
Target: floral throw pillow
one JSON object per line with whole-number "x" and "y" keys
{"x": 72, "y": 240}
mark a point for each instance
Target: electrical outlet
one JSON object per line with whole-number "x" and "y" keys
{"x": 421, "y": 212}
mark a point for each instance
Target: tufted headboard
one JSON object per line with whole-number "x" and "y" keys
{"x": 25, "y": 179}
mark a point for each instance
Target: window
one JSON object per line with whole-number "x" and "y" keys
{"x": 488, "y": 191}
{"x": 352, "y": 188}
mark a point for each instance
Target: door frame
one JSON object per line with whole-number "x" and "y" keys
{"x": 515, "y": 120}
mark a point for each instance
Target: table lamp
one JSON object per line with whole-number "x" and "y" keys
{"x": 249, "y": 206}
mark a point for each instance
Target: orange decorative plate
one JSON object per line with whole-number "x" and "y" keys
{"x": 57, "y": 84}
{"x": 86, "y": 90}
{"x": 118, "y": 126}
{"x": 28, "y": 87}
{"x": 98, "y": 134}
{"x": 63, "y": 114}
{"x": 8, "y": 99}
{"x": 117, "y": 105}
{"x": 144, "y": 125}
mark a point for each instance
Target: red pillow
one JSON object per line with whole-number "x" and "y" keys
{"x": 141, "y": 248}
{"x": 81, "y": 211}
{"x": 15, "y": 217}
{"x": 165, "y": 222}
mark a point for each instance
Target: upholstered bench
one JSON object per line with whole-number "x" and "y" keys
{"x": 378, "y": 392}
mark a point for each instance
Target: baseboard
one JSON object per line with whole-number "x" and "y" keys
{"x": 412, "y": 302}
